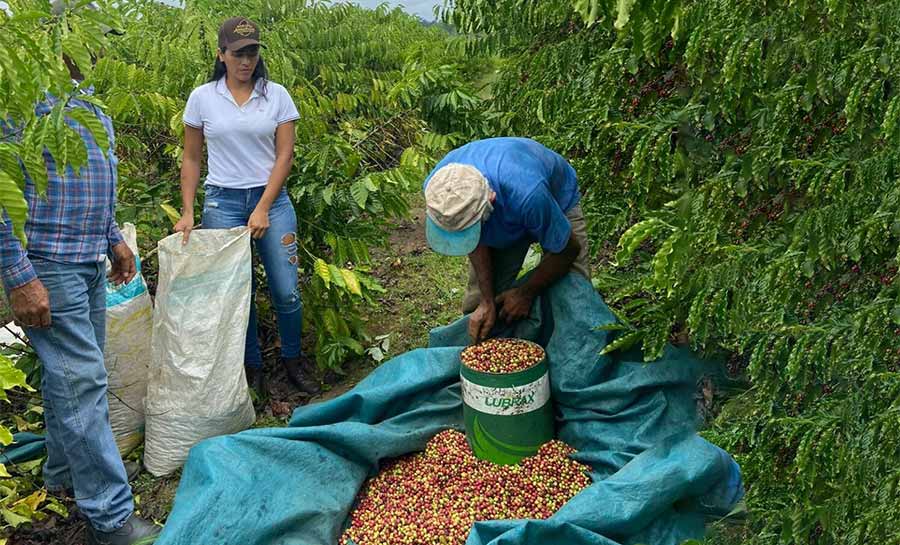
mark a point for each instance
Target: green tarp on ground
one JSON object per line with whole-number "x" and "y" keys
{"x": 655, "y": 480}
{"x": 25, "y": 446}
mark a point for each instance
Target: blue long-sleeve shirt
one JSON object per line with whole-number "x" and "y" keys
{"x": 75, "y": 222}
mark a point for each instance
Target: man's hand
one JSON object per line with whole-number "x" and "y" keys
{"x": 482, "y": 320}
{"x": 259, "y": 223}
{"x": 123, "y": 267}
{"x": 514, "y": 304}
{"x": 31, "y": 305}
{"x": 184, "y": 226}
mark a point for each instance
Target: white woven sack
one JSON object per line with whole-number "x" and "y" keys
{"x": 197, "y": 387}
{"x": 126, "y": 353}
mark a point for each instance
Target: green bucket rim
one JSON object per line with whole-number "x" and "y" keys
{"x": 524, "y": 374}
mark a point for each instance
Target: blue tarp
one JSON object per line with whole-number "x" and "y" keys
{"x": 24, "y": 447}
{"x": 655, "y": 480}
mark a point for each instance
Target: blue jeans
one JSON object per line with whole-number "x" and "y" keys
{"x": 81, "y": 451}
{"x": 226, "y": 208}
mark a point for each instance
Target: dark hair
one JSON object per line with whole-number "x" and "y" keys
{"x": 259, "y": 73}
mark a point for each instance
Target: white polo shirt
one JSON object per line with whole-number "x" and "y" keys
{"x": 240, "y": 140}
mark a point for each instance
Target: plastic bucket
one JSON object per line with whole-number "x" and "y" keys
{"x": 507, "y": 416}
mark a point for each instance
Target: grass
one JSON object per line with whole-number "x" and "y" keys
{"x": 425, "y": 291}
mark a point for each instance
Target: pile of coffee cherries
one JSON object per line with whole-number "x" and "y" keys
{"x": 434, "y": 497}
{"x": 502, "y": 356}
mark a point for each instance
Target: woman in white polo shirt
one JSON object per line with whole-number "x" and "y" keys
{"x": 248, "y": 124}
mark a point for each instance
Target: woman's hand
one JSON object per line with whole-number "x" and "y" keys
{"x": 259, "y": 223}
{"x": 184, "y": 226}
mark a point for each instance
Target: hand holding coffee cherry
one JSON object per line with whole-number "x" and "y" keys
{"x": 514, "y": 304}
{"x": 482, "y": 321}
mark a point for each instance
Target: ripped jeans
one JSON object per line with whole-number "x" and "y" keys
{"x": 226, "y": 208}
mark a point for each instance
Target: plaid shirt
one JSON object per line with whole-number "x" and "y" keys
{"x": 76, "y": 223}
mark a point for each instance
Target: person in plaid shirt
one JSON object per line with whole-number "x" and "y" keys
{"x": 57, "y": 292}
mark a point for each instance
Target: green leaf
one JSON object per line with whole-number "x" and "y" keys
{"x": 74, "y": 48}
{"x": 334, "y": 324}
{"x": 623, "y": 13}
{"x": 87, "y": 119}
{"x": 3, "y": 472}
{"x": 171, "y": 213}
{"x": 31, "y": 466}
{"x": 10, "y": 376}
{"x": 36, "y": 168}
{"x": 55, "y": 141}
{"x": 654, "y": 342}
{"x": 351, "y": 281}
{"x": 12, "y": 199}
{"x": 624, "y": 342}
{"x": 76, "y": 152}
{"x": 632, "y": 238}
{"x": 588, "y": 9}
{"x": 352, "y": 344}
{"x": 351, "y": 166}
{"x": 662, "y": 263}
{"x": 58, "y": 508}
{"x": 328, "y": 195}
{"x": 360, "y": 193}
{"x": 371, "y": 284}
{"x": 13, "y": 519}
{"x": 611, "y": 327}
{"x": 322, "y": 270}
{"x": 895, "y": 314}
{"x": 336, "y": 276}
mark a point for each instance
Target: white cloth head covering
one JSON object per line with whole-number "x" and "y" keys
{"x": 457, "y": 197}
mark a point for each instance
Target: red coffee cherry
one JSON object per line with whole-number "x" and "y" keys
{"x": 434, "y": 497}
{"x": 502, "y": 356}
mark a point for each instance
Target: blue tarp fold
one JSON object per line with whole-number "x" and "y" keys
{"x": 655, "y": 480}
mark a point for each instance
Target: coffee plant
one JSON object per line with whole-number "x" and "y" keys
{"x": 380, "y": 97}
{"x": 21, "y": 501}
{"x": 32, "y": 65}
{"x": 739, "y": 161}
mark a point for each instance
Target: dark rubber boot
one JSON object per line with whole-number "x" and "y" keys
{"x": 256, "y": 380}
{"x": 301, "y": 372}
{"x": 134, "y": 531}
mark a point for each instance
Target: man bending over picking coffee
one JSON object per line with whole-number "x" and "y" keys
{"x": 490, "y": 200}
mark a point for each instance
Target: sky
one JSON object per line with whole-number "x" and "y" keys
{"x": 422, "y": 8}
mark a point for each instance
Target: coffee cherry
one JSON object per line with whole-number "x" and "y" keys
{"x": 502, "y": 356}
{"x": 434, "y": 497}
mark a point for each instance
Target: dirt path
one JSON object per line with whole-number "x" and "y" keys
{"x": 423, "y": 291}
